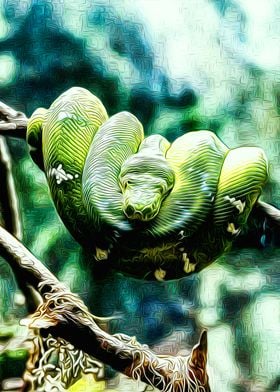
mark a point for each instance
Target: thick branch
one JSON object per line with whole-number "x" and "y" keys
{"x": 64, "y": 315}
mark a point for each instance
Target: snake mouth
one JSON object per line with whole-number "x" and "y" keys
{"x": 141, "y": 210}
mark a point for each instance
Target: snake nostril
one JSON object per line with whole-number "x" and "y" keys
{"x": 129, "y": 211}
{"x": 147, "y": 211}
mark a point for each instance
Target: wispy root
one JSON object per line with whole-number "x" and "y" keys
{"x": 60, "y": 363}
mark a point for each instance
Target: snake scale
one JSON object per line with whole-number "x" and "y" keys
{"x": 142, "y": 205}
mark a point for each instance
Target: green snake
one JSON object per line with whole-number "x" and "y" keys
{"x": 142, "y": 205}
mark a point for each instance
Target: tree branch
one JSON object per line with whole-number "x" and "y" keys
{"x": 64, "y": 314}
{"x": 12, "y": 123}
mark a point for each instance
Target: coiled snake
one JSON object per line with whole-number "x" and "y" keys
{"x": 142, "y": 205}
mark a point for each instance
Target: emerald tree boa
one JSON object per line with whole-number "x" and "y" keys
{"x": 142, "y": 205}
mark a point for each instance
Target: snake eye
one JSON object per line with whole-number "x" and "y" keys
{"x": 125, "y": 184}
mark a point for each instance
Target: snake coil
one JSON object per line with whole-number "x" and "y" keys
{"x": 109, "y": 183}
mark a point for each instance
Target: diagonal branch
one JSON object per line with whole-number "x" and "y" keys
{"x": 64, "y": 314}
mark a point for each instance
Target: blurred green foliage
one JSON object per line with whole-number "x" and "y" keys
{"x": 178, "y": 66}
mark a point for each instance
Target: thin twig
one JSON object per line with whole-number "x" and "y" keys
{"x": 8, "y": 197}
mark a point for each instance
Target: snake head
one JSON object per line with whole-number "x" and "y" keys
{"x": 144, "y": 182}
{"x": 142, "y": 197}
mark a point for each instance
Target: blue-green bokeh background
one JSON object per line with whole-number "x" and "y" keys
{"x": 178, "y": 66}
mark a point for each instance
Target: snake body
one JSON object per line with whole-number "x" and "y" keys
{"x": 66, "y": 131}
{"x": 152, "y": 208}
{"x": 116, "y": 140}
